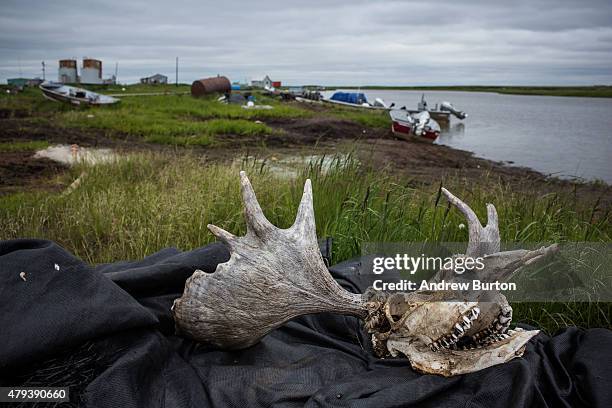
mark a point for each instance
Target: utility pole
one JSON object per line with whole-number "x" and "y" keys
{"x": 116, "y": 70}
{"x": 43, "y": 68}
{"x": 176, "y": 81}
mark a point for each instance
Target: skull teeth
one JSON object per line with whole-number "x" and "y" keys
{"x": 497, "y": 331}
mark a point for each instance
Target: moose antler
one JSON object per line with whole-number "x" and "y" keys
{"x": 485, "y": 242}
{"x": 273, "y": 275}
{"x": 482, "y": 240}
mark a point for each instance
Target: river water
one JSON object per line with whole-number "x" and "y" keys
{"x": 566, "y": 137}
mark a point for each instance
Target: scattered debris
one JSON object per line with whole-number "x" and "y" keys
{"x": 71, "y": 154}
{"x": 233, "y": 98}
{"x": 251, "y": 105}
{"x": 74, "y": 150}
{"x": 75, "y": 184}
{"x": 57, "y": 267}
{"x": 22, "y": 275}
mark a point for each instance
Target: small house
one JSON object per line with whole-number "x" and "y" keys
{"x": 21, "y": 82}
{"x": 264, "y": 83}
{"x": 154, "y": 79}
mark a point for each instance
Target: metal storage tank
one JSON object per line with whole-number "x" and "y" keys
{"x": 210, "y": 85}
{"x": 67, "y": 72}
{"x": 91, "y": 73}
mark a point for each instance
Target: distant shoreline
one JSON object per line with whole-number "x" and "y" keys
{"x": 598, "y": 91}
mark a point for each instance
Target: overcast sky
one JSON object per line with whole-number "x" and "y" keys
{"x": 533, "y": 42}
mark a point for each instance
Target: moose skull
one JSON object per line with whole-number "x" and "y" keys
{"x": 275, "y": 275}
{"x": 441, "y": 333}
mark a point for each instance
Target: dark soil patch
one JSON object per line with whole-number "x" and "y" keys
{"x": 18, "y": 130}
{"x": 424, "y": 163}
{"x": 16, "y": 113}
{"x": 428, "y": 164}
{"x": 303, "y": 132}
{"x": 20, "y": 171}
{"x": 325, "y": 129}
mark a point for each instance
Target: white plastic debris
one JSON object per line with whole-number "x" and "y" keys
{"x": 69, "y": 154}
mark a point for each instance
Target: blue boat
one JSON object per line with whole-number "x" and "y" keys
{"x": 355, "y": 99}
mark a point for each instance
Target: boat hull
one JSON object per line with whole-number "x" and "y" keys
{"x": 53, "y": 96}
{"x": 414, "y": 126}
{"x": 75, "y": 96}
{"x": 354, "y": 105}
{"x": 439, "y": 116}
{"x": 404, "y": 131}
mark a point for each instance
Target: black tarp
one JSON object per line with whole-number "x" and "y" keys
{"x": 108, "y": 332}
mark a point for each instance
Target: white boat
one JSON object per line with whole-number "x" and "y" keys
{"x": 440, "y": 113}
{"x": 73, "y": 95}
{"x": 414, "y": 125}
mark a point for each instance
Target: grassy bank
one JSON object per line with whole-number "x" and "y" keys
{"x": 172, "y": 119}
{"x": 148, "y": 202}
{"x": 365, "y": 117}
{"x": 167, "y": 119}
{"x": 601, "y": 91}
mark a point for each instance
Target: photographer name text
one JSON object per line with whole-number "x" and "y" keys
{"x": 474, "y": 285}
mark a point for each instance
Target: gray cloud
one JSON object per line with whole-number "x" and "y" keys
{"x": 326, "y": 42}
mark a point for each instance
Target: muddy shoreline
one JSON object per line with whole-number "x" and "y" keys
{"x": 422, "y": 163}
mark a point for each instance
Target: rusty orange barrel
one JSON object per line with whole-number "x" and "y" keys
{"x": 210, "y": 85}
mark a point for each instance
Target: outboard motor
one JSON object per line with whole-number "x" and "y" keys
{"x": 421, "y": 120}
{"x": 447, "y": 106}
{"x": 379, "y": 102}
{"x": 422, "y": 106}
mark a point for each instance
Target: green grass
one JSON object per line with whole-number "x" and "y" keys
{"x": 167, "y": 119}
{"x": 142, "y": 204}
{"x": 140, "y": 88}
{"x": 370, "y": 118}
{"x": 23, "y": 146}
